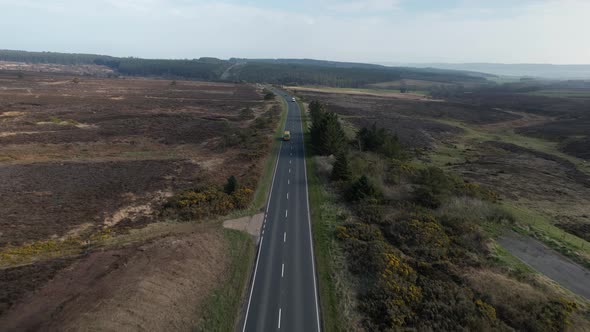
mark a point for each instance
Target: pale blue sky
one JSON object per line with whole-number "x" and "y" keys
{"x": 508, "y": 31}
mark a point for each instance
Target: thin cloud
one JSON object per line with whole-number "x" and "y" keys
{"x": 363, "y": 5}
{"x": 540, "y": 31}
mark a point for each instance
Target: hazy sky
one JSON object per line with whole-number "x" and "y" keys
{"x": 509, "y": 31}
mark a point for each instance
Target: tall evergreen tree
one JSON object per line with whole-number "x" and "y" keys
{"x": 332, "y": 137}
{"x": 363, "y": 189}
{"x": 341, "y": 169}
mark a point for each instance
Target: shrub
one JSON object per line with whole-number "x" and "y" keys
{"x": 206, "y": 202}
{"x": 379, "y": 140}
{"x": 434, "y": 178}
{"x": 363, "y": 189}
{"x": 391, "y": 301}
{"x": 535, "y": 315}
{"x": 247, "y": 113}
{"x": 426, "y": 197}
{"x": 447, "y": 306}
{"x": 269, "y": 96}
{"x": 486, "y": 309}
{"x": 198, "y": 204}
{"x": 474, "y": 211}
{"x": 341, "y": 169}
{"x": 473, "y": 189}
{"x": 370, "y": 212}
{"x": 434, "y": 187}
{"x": 363, "y": 244}
{"x": 398, "y": 170}
{"x": 231, "y": 185}
{"x": 371, "y": 139}
{"x": 425, "y": 239}
{"x": 242, "y": 197}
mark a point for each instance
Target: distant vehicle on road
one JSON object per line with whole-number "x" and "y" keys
{"x": 293, "y": 99}
{"x": 287, "y": 136}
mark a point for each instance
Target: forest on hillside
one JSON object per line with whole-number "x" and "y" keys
{"x": 280, "y": 71}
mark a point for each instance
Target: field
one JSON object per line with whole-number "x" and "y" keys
{"x": 498, "y": 141}
{"x": 86, "y": 165}
{"x": 422, "y": 236}
{"x": 562, "y": 93}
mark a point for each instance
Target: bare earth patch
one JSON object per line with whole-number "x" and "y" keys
{"x": 248, "y": 224}
{"x": 169, "y": 277}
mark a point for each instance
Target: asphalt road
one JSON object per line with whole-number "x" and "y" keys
{"x": 283, "y": 293}
{"x": 549, "y": 262}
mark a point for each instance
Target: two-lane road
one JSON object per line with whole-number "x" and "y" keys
{"x": 283, "y": 293}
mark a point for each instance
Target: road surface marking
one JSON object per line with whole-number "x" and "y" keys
{"x": 283, "y": 270}
{"x": 288, "y": 181}
{"x": 285, "y": 237}
{"x": 279, "y": 318}
{"x": 289, "y": 170}
{"x": 261, "y": 239}
{"x": 286, "y": 213}
{"x": 287, "y": 195}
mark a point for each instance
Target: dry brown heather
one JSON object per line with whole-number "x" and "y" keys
{"x": 84, "y": 158}
{"x": 82, "y": 153}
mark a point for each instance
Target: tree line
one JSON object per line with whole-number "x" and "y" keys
{"x": 287, "y": 72}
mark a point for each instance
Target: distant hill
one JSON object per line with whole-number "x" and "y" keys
{"x": 276, "y": 71}
{"x": 312, "y": 62}
{"x": 549, "y": 71}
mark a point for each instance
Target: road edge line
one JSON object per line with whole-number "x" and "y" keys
{"x": 309, "y": 222}
{"x": 262, "y": 238}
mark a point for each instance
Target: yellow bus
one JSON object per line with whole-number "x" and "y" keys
{"x": 286, "y": 135}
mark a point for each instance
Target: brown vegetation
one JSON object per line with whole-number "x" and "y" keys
{"x": 412, "y": 232}
{"x": 85, "y": 162}
{"x": 152, "y": 286}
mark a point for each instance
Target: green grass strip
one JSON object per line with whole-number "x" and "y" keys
{"x": 263, "y": 188}
{"x": 322, "y": 237}
{"x": 222, "y": 308}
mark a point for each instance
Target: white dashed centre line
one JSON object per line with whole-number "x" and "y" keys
{"x": 283, "y": 270}
{"x": 285, "y": 237}
{"x": 288, "y": 181}
{"x": 279, "y": 318}
{"x": 286, "y": 213}
{"x": 287, "y": 195}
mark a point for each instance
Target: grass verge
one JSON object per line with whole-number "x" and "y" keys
{"x": 538, "y": 226}
{"x": 505, "y": 259}
{"x": 322, "y": 223}
{"x": 225, "y": 301}
{"x": 263, "y": 187}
